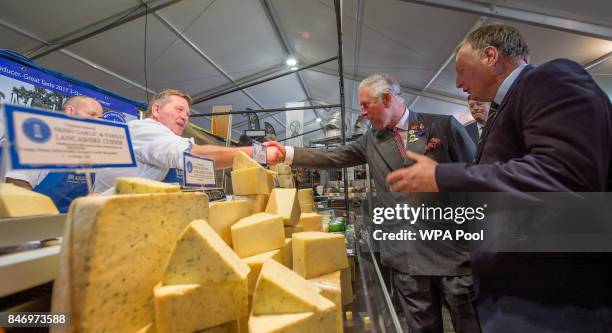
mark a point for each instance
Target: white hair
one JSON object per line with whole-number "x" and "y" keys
{"x": 381, "y": 83}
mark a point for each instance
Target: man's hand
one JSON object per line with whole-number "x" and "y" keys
{"x": 420, "y": 177}
{"x": 275, "y": 152}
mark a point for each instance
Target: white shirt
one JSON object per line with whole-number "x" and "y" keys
{"x": 157, "y": 150}
{"x": 33, "y": 177}
{"x": 402, "y": 124}
{"x": 480, "y": 129}
{"x": 507, "y": 83}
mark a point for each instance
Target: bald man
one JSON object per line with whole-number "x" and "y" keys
{"x": 62, "y": 187}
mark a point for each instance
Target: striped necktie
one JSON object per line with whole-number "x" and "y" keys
{"x": 492, "y": 114}
{"x": 398, "y": 141}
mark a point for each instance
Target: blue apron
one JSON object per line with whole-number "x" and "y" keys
{"x": 63, "y": 187}
{"x": 174, "y": 175}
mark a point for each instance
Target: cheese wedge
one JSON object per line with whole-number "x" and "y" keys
{"x": 16, "y": 201}
{"x": 291, "y": 229}
{"x": 137, "y": 185}
{"x": 255, "y": 262}
{"x": 311, "y": 221}
{"x": 305, "y": 196}
{"x": 347, "y": 286}
{"x": 223, "y": 214}
{"x": 257, "y": 202}
{"x": 284, "y": 202}
{"x": 286, "y": 253}
{"x": 280, "y": 290}
{"x": 305, "y": 322}
{"x": 244, "y": 161}
{"x": 330, "y": 287}
{"x": 252, "y": 181}
{"x": 194, "y": 307}
{"x": 201, "y": 256}
{"x": 257, "y": 234}
{"x": 318, "y": 253}
{"x": 113, "y": 255}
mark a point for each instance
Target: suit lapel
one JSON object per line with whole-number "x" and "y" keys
{"x": 506, "y": 100}
{"x": 386, "y": 148}
{"x": 418, "y": 143}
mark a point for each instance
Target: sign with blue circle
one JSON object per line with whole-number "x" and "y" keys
{"x": 114, "y": 116}
{"x": 36, "y": 130}
{"x": 198, "y": 171}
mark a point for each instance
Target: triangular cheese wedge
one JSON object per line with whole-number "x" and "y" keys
{"x": 244, "y": 161}
{"x": 137, "y": 185}
{"x": 280, "y": 290}
{"x": 284, "y": 202}
{"x": 201, "y": 256}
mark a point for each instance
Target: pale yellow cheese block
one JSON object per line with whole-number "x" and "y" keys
{"x": 307, "y": 208}
{"x": 244, "y": 161}
{"x": 137, "y": 185}
{"x": 193, "y": 307}
{"x": 284, "y": 202}
{"x": 201, "y": 256}
{"x": 318, "y": 253}
{"x": 286, "y": 253}
{"x": 257, "y": 202}
{"x": 252, "y": 181}
{"x": 330, "y": 287}
{"x": 16, "y": 201}
{"x": 305, "y": 196}
{"x": 280, "y": 290}
{"x": 223, "y": 214}
{"x": 113, "y": 255}
{"x": 149, "y": 328}
{"x": 291, "y": 229}
{"x": 257, "y": 234}
{"x": 347, "y": 286}
{"x": 305, "y": 322}
{"x": 311, "y": 221}
{"x": 229, "y": 327}
{"x": 281, "y": 169}
{"x": 286, "y": 181}
{"x": 255, "y": 262}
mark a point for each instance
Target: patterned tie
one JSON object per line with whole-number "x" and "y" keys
{"x": 492, "y": 114}
{"x": 398, "y": 141}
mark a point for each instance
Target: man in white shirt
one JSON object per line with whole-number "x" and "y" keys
{"x": 159, "y": 147}
{"x": 61, "y": 187}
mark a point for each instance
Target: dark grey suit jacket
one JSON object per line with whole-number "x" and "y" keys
{"x": 472, "y": 130}
{"x": 378, "y": 149}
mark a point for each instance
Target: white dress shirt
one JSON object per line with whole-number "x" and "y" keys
{"x": 157, "y": 150}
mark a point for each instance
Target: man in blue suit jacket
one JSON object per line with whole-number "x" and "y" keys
{"x": 552, "y": 132}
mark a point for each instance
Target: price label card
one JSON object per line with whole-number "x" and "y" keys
{"x": 198, "y": 171}
{"x": 260, "y": 153}
{"x": 39, "y": 139}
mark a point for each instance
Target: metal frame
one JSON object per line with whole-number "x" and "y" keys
{"x": 517, "y": 15}
{"x": 282, "y": 38}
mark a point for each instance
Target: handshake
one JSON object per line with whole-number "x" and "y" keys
{"x": 275, "y": 152}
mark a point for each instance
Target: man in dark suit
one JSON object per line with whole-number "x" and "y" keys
{"x": 420, "y": 280}
{"x": 480, "y": 112}
{"x": 552, "y": 132}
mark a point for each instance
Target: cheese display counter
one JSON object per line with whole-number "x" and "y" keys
{"x": 153, "y": 258}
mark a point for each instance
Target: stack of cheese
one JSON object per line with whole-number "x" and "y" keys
{"x": 204, "y": 284}
{"x": 249, "y": 177}
{"x": 16, "y": 201}
{"x": 286, "y": 302}
{"x": 321, "y": 258}
{"x": 309, "y": 219}
{"x": 112, "y": 257}
{"x": 285, "y": 177}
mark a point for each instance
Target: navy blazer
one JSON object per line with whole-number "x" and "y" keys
{"x": 553, "y": 132}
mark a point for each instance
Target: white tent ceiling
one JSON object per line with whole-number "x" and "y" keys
{"x": 205, "y": 46}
